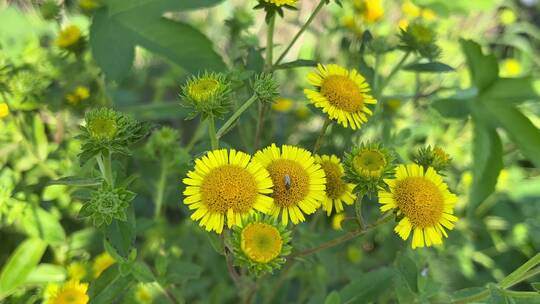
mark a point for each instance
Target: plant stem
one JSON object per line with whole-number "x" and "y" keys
{"x": 212, "y": 133}
{"x": 358, "y": 209}
{"x": 344, "y": 238}
{"x": 105, "y": 166}
{"x": 270, "y": 43}
{"x": 319, "y": 141}
{"x": 160, "y": 191}
{"x": 301, "y": 31}
{"x": 260, "y": 124}
{"x": 196, "y": 136}
{"x": 393, "y": 73}
{"x": 227, "y": 126}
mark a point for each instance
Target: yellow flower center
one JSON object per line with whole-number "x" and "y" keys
{"x": 420, "y": 200}
{"x": 343, "y": 93}
{"x": 261, "y": 242}
{"x": 335, "y": 186}
{"x": 68, "y": 36}
{"x": 291, "y": 182}
{"x": 229, "y": 186}
{"x": 369, "y": 163}
{"x": 103, "y": 128}
{"x": 203, "y": 89}
{"x": 71, "y": 293}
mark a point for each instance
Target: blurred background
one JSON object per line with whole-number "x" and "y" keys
{"x": 137, "y": 66}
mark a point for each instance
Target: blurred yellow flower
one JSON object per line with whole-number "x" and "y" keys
{"x": 351, "y": 23}
{"x": 76, "y": 271}
{"x": 281, "y": 2}
{"x": 68, "y": 37}
{"x": 466, "y": 179}
{"x": 410, "y": 9}
{"x": 337, "y": 219}
{"x": 302, "y": 112}
{"x": 143, "y": 295}
{"x": 282, "y": 105}
{"x": 507, "y": 16}
{"x": 371, "y": 10}
{"x": 72, "y": 292}
{"x": 80, "y": 93}
{"x": 101, "y": 263}
{"x": 428, "y": 14}
{"x": 503, "y": 180}
{"x": 403, "y": 24}
{"x": 338, "y": 192}
{"x": 4, "y": 110}
{"x": 511, "y": 68}
{"x": 393, "y": 104}
{"x": 89, "y": 5}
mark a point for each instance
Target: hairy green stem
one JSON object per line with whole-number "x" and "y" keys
{"x": 320, "y": 139}
{"x": 227, "y": 126}
{"x": 199, "y": 131}
{"x": 260, "y": 125}
{"x": 212, "y": 133}
{"x": 301, "y": 31}
{"x": 161, "y": 186}
{"x": 358, "y": 210}
{"x": 270, "y": 43}
{"x": 105, "y": 167}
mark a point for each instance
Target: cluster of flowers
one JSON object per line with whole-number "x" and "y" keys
{"x": 257, "y": 196}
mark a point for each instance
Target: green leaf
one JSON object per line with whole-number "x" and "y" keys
{"x": 112, "y": 46}
{"x": 520, "y": 129}
{"x": 512, "y": 90}
{"x": 496, "y": 296}
{"x": 483, "y": 69}
{"x": 142, "y": 272}
{"x": 216, "y": 243}
{"x": 121, "y": 235}
{"x": 299, "y": 63}
{"x": 77, "y": 181}
{"x": 429, "y": 67}
{"x": 157, "y": 6}
{"x": 20, "y": 264}
{"x": 39, "y": 223}
{"x": 179, "y": 272}
{"x": 536, "y": 286}
{"x": 367, "y": 287}
{"x": 46, "y": 273}
{"x": 333, "y": 298}
{"x": 467, "y": 292}
{"x": 487, "y": 162}
{"x": 109, "y": 286}
{"x": 452, "y": 107}
{"x": 40, "y": 137}
{"x": 407, "y": 268}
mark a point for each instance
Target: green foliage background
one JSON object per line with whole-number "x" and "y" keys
{"x": 139, "y": 53}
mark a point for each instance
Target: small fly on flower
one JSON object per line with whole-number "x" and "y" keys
{"x": 287, "y": 180}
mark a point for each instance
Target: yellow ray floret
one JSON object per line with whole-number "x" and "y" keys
{"x": 226, "y": 185}
{"x": 72, "y": 292}
{"x": 342, "y": 94}
{"x": 281, "y": 2}
{"x": 337, "y": 190}
{"x": 299, "y": 182}
{"x": 423, "y": 200}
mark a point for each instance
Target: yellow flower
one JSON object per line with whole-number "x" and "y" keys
{"x": 101, "y": 263}
{"x": 77, "y": 271}
{"x": 279, "y": 3}
{"x": 371, "y": 10}
{"x": 410, "y": 9}
{"x": 299, "y": 182}
{"x": 68, "y": 37}
{"x": 72, "y": 292}
{"x": 337, "y": 190}
{"x": 80, "y": 93}
{"x": 302, "y": 112}
{"x": 511, "y": 68}
{"x": 403, "y": 24}
{"x": 337, "y": 219}
{"x": 342, "y": 94}
{"x": 89, "y": 5}
{"x": 507, "y": 16}
{"x": 227, "y": 185}
{"x": 261, "y": 242}
{"x": 282, "y": 105}
{"x": 4, "y": 110}
{"x": 428, "y": 14}
{"x": 423, "y": 203}
{"x": 143, "y": 295}
{"x": 351, "y": 23}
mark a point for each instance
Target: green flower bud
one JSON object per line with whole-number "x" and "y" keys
{"x": 260, "y": 244}
{"x": 207, "y": 94}
{"x": 367, "y": 166}
{"x": 163, "y": 143}
{"x": 266, "y": 88}
{"x": 49, "y": 10}
{"x": 433, "y": 157}
{"x": 421, "y": 39}
{"x": 107, "y": 204}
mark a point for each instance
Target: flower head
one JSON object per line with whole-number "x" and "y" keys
{"x": 207, "y": 94}
{"x": 423, "y": 204}
{"x": 89, "y": 5}
{"x": 282, "y": 105}
{"x": 49, "y": 9}
{"x": 271, "y": 7}
{"x": 435, "y": 157}
{"x": 77, "y": 271}
{"x": 299, "y": 182}
{"x": 107, "y": 204}
{"x": 511, "y": 68}
{"x": 226, "y": 186}
{"x": 342, "y": 94}
{"x": 4, "y": 110}
{"x": 70, "y": 38}
{"x": 420, "y": 38}
{"x": 371, "y": 10}
{"x": 367, "y": 166}
{"x": 337, "y": 220}
{"x": 266, "y": 88}
{"x": 337, "y": 190}
{"x": 101, "y": 263}
{"x": 81, "y": 93}
{"x": 281, "y": 2}
{"x": 261, "y": 244}
{"x": 72, "y": 292}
